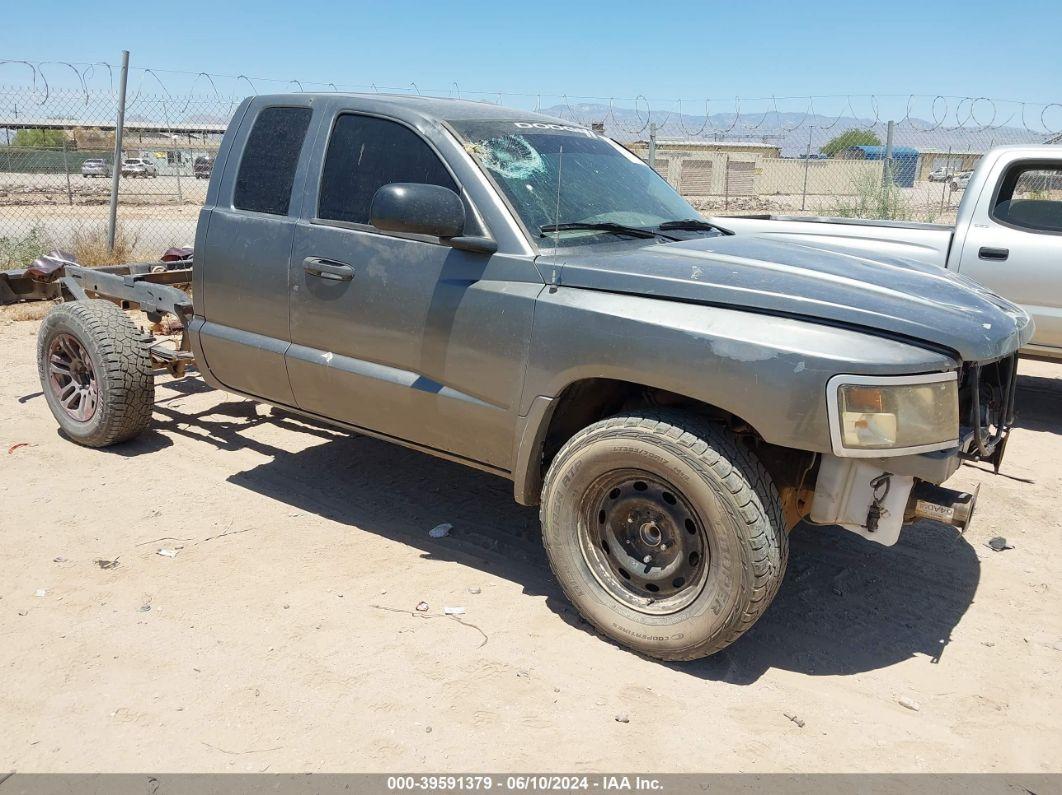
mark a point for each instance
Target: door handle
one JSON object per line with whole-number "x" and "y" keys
{"x": 998, "y": 254}
{"x": 328, "y": 269}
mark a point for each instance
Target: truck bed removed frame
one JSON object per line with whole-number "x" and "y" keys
{"x": 152, "y": 287}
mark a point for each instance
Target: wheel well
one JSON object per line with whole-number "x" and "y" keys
{"x": 590, "y": 400}
{"x": 585, "y": 402}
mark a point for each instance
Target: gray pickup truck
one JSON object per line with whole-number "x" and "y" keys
{"x": 522, "y": 295}
{"x": 1007, "y": 235}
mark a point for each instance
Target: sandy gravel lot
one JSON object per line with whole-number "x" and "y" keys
{"x": 283, "y": 636}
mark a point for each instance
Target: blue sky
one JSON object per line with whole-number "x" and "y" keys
{"x": 615, "y": 49}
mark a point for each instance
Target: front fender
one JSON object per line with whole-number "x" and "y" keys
{"x": 770, "y": 371}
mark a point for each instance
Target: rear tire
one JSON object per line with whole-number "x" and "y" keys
{"x": 95, "y": 372}
{"x": 701, "y": 508}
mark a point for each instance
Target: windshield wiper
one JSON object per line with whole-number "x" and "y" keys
{"x": 603, "y": 226}
{"x": 693, "y": 225}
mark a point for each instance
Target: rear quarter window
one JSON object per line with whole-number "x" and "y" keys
{"x": 270, "y": 157}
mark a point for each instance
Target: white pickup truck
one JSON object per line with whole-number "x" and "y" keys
{"x": 1007, "y": 236}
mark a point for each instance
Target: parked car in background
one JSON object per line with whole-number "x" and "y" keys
{"x": 1007, "y": 236}
{"x": 139, "y": 167}
{"x": 203, "y": 167}
{"x": 95, "y": 167}
{"x": 961, "y": 180}
{"x": 941, "y": 174}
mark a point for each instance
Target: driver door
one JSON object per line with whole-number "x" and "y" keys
{"x": 398, "y": 334}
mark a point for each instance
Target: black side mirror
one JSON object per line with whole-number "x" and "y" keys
{"x": 417, "y": 209}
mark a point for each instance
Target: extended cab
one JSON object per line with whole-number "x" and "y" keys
{"x": 522, "y": 295}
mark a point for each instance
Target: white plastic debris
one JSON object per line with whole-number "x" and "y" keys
{"x": 422, "y": 607}
{"x": 441, "y": 530}
{"x": 167, "y": 553}
{"x": 454, "y": 611}
{"x": 908, "y": 703}
{"x": 40, "y": 592}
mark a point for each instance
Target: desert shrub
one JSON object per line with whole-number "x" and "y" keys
{"x": 870, "y": 198}
{"x": 18, "y": 252}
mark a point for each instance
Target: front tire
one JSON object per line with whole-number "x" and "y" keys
{"x": 665, "y": 533}
{"x": 95, "y": 373}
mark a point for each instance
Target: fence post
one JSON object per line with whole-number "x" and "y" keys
{"x": 947, "y": 181}
{"x": 116, "y": 172}
{"x": 807, "y": 163}
{"x": 177, "y": 152}
{"x": 652, "y": 146}
{"x": 886, "y": 171}
{"x": 66, "y": 168}
{"x": 726, "y": 182}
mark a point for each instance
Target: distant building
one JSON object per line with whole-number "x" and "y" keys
{"x": 904, "y": 160}
{"x": 702, "y": 168}
{"x": 665, "y": 146}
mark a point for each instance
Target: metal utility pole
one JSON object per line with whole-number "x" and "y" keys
{"x": 116, "y": 172}
{"x": 652, "y": 146}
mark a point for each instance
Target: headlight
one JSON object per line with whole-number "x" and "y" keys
{"x": 882, "y": 416}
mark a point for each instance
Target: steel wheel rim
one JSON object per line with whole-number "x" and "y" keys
{"x": 72, "y": 378}
{"x": 643, "y": 542}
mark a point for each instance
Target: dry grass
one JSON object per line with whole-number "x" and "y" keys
{"x": 89, "y": 246}
{"x": 34, "y": 310}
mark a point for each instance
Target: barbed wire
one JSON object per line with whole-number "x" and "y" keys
{"x": 736, "y": 154}
{"x": 633, "y": 115}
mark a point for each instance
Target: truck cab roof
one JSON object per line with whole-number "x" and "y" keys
{"x": 408, "y": 107}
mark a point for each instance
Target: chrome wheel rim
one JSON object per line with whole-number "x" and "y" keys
{"x": 72, "y": 378}
{"x": 643, "y": 542}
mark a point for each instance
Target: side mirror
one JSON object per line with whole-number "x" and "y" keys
{"x": 417, "y": 209}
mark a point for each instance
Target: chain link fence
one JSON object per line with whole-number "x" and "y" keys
{"x": 57, "y": 160}
{"x": 797, "y": 156}
{"x": 894, "y": 171}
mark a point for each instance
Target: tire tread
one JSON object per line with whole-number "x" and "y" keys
{"x": 123, "y": 361}
{"x": 707, "y": 447}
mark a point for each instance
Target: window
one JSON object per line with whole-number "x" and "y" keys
{"x": 267, "y": 170}
{"x": 1030, "y": 197}
{"x": 556, "y": 173}
{"x": 366, "y": 153}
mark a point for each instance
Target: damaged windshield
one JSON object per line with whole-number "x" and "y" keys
{"x": 570, "y": 180}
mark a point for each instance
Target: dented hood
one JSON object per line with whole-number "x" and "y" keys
{"x": 886, "y": 294}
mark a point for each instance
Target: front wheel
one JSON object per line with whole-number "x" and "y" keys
{"x": 95, "y": 373}
{"x": 665, "y": 533}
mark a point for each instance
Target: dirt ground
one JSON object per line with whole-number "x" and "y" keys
{"x": 283, "y": 635}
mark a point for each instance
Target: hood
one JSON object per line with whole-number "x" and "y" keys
{"x": 888, "y": 294}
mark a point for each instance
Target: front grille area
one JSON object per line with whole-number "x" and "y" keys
{"x": 986, "y": 406}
